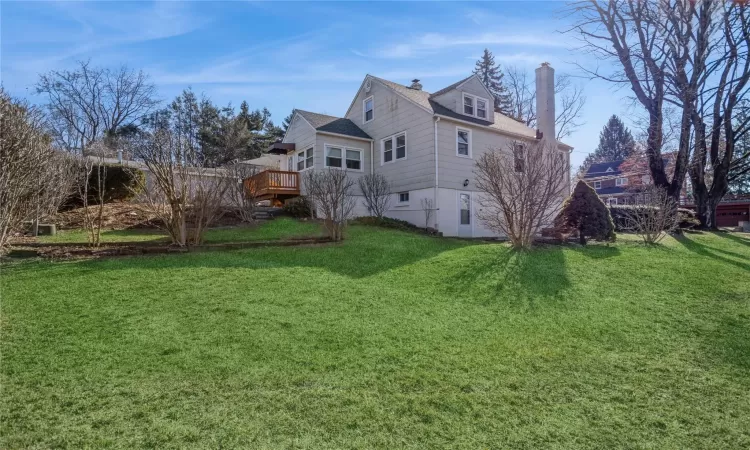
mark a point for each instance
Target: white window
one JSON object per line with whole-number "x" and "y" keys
{"x": 481, "y": 109}
{"x": 368, "y": 109}
{"x": 613, "y": 200}
{"x": 403, "y": 198}
{"x": 305, "y": 159}
{"x": 621, "y": 181}
{"x": 468, "y": 105}
{"x": 463, "y": 142}
{"x": 333, "y": 157}
{"x": 475, "y": 106}
{"x": 393, "y": 148}
{"x": 597, "y": 184}
{"x": 344, "y": 157}
{"x": 353, "y": 159}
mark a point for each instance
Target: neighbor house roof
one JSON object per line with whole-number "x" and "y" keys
{"x": 331, "y": 124}
{"x": 603, "y": 169}
{"x": 425, "y": 100}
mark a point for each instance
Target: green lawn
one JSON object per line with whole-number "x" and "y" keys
{"x": 279, "y": 228}
{"x": 390, "y": 340}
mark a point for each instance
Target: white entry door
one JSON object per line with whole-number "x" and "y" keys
{"x": 465, "y": 215}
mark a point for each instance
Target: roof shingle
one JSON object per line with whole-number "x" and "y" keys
{"x": 331, "y": 124}
{"x": 424, "y": 99}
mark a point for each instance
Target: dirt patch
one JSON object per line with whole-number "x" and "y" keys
{"x": 72, "y": 251}
{"x": 125, "y": 215}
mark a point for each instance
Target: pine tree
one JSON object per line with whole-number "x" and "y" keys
{"x": 615, "y": 143}
{"x": 492, "y": 77}
{"x": 287, "y": 121}
{"x": 586, "y": 212}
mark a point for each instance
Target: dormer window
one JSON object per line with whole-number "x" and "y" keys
{"x": 368, "y": 109}
{"x": 468, "y": 105}
{"x": 621, "y": 181}
{"x": 481, "y": 109}
{"x": 475, "y": 106}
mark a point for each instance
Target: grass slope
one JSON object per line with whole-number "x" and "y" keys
{"x": 391, "y": 340}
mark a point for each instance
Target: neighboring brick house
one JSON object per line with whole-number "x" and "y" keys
{"x": 620, "y": 182}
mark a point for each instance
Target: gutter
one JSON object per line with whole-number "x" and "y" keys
{"x": 344, "y": 136}
{"x": 437, "y": 205}
{"x": 488, "y": 128}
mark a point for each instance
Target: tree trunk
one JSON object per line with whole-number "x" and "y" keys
{"x": 700, "y": 196}
{"x": 581, "y": 237}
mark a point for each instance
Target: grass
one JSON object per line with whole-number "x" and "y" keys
{"x": 278, "y": 229}
{"x": 390, "y": 340}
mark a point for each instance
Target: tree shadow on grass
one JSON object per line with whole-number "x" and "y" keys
{"x": 713, "y": 252}
{"x": 519, "y": 277}
{"x": 730, "y": 341}
{"x": 597, "y": 251}
{"x": 735, "y": 238}
{"x": 367, "y": 252}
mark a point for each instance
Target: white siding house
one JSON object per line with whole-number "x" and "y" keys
{"x": 425, "y": 144}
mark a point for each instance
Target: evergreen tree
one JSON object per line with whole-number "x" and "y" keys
{"x": 287, "y": 121}
{"x": 615, "y": 143}
{"x": 492, "y": 77}
{"x": 586, "y": 212}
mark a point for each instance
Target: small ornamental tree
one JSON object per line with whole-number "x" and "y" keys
{"x": 585, "y": 212}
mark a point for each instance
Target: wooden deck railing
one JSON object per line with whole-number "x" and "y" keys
{"x": 273, "y": 182}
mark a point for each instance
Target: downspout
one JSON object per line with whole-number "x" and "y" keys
{"x": 372, "y": 155}
{"x": 437, "y": 205}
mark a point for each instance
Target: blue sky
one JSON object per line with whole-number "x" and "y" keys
{"x": 284, "y": 55}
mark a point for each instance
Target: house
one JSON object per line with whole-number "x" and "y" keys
{"x": 619, "y": 182}
{"x": 424, "y": 143}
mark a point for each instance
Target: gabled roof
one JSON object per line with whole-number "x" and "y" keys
{"x": 424, "y": 100}
{"x": 603, "y": 169}
{"x": 452, "y": 86}
{"x": 331, "y": 124}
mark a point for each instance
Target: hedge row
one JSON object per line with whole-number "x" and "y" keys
{"x": 619, "y": 213}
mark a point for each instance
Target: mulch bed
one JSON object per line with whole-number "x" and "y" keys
{"x": 72, "y": 251}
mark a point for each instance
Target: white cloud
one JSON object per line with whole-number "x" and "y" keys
{"x": 431, "y": 43}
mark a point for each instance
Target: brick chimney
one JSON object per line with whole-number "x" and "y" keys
{"x": 545, "y": 100}
{"x": 415, "y": 85}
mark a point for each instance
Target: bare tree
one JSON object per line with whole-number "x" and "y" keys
{"x": 185, "y": 196}
{"x": 207, "y": 196}
{"x": 331, "y": 193}
{"x": 241, "y": 194}
{"x": 428, "y": 207}
{"x": 34, "y": 179}
{"x": 90, "y": 103}
{"x": 654, "y": 218}
{"x": 92, "y": 172}
{"x": 377, "y": 193}
{"x": 692, "y": 56}
{"x": 522, "y": 93}
{"x": 522, "y": 189}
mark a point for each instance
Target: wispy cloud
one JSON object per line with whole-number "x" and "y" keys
{"x": 96, "y": 29}
{"x": 431, "y": 43}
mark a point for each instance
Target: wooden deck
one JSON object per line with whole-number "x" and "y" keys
{"x": 274, "y": 185}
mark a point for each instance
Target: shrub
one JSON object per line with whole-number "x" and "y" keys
{"x": 298, "y": 207}
{"x": 585, "y": 212}
{"x": 621, "y": 215}
{"x": 687, "y": 218}
{"x": 386, "y": 222}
